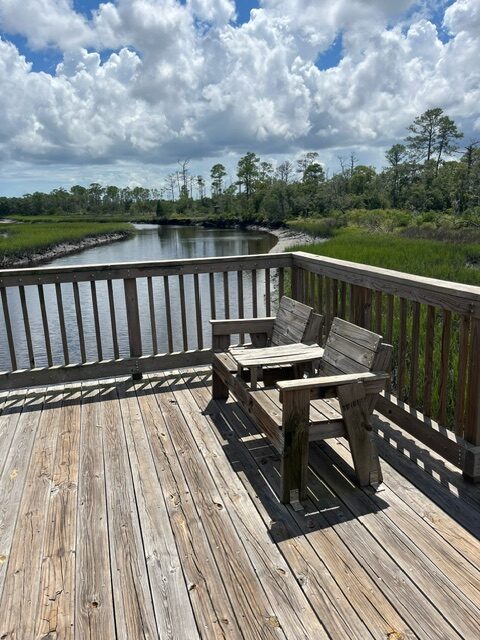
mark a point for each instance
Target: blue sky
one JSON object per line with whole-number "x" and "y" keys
{"x": 119, "y": 91}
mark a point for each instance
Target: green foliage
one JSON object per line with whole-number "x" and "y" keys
{"x": 23, "y": 240}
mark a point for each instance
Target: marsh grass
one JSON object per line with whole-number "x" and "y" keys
{"x": 25, "y": 240}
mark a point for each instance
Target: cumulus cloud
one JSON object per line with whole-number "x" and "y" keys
{"x": 187, "y": 80}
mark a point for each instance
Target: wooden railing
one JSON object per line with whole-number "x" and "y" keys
{"x": 72, "y": 323}
{"x": 434, "y": 327}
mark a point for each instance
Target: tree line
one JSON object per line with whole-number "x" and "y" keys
{"x": 427, "y": 171}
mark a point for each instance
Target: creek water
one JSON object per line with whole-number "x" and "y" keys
{"x": 150, "y": 242}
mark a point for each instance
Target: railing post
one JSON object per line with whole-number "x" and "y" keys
{"x": 471, "y": 460}
{"x": 133, "y": 322}
{"x": 297, "y": 281}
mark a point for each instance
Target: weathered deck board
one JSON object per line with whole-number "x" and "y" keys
{"x": 148, "y": 511}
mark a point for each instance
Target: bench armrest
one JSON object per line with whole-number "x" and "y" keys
{"x": 242, "y": 325}
{"x": 329, "y": 382}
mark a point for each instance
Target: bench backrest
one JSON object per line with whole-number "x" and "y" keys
{"x": 295, "y": 322}
{"x": 352, "y": 349}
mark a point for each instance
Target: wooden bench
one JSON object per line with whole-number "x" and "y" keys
{"x": 339, "y": 401}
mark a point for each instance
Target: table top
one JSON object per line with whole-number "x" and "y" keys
{"x": 284, "y": 354}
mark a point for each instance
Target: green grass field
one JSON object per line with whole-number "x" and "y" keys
{"x": 23, "y": 240}
{"x": 431, "y": 258}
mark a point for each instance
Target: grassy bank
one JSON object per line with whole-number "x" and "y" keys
{"x": 23, "y": 241}
{"x": 419, "y": 256}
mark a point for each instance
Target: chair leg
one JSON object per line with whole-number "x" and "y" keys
{"x": 219, "y": 388}
{"x": 355, "y": 405}
{"x": 294, "y": 458}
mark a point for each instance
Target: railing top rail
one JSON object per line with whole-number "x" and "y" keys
{"x": 454, "y": 296}
{"x": 78, "y": 273}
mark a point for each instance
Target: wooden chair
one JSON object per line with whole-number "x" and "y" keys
{"x": 295, "y": 322}
{"x": 353, "y": 371}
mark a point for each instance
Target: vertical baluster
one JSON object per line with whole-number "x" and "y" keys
{"x": 198, "y": 311}
{"x": 241, "y": 310}
{"x": 402, "y": 348}
{"x": 462, "y": 374}
{"x": 78, "y": 313}
{"x": 412, "y": 395}
{"x": 351, "y": 310}
{"x": 46, "y": 331}
{"x": 213, "y": 304}
{"x": 472, "y": 421}
{"x": 168, "y": 313}
{"x": 335, "y": 298}
{"x": 133, "y": 317}
{"x": 226, "y": 295}
{"x": 183, "y": 312}
{"x": 429, "y": 342}
{"x": 390, "y": 308}
{"x": 378, "y": 312}
{"x": 26, "y": 324}
{"x": 328, "y": 305}
{"x": 113, "y": 320}
{"x": 281, "y": 283}
{"x": 61, "y": 319}
{"x": 343, "y": 299}
{"x": 254, "y": 293}
{"x": 96, "y": 319}
{"x": 268, "y": 302}
{"x": 8, "y": 328}
{"x": 444, "y": 367}
{"x": 153, "y": 322}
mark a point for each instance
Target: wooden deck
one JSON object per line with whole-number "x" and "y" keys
{"x": 148, "y": 511}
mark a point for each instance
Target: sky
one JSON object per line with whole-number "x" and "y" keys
{"x": 118, "y": 92}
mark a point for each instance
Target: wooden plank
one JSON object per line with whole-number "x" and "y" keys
{"x": 412, "y": 394}
{"x": 61, "y": 320}
{"x": 336, "y": 559}
{"x": 164, "y": 554}
{"x": 26, "y": 324}
{"x": 56, "y": 608}
{"x": 181, "y": 285}
{"x": 132, "y": 599}
{"x": 11, "y": 409}
{"x": 343, "y": 299}
{"x": 254, "y": 294}
{"x": 113, "y": 320}
{"x": 281, "y": 282}
{"x": 390, "y": 310}
{"x": 12, "y": 482}
{"x": 444, "y": 368}
{"x": 168, "y": 313}
{"x": 133, "y": 317}
{"x": 428, "y": 379}
{"x": 96, "y": 320}
{"x": 8, "y": 329}
{"x": 294, "y": 458}
{"x": 244, "y": 593}
{"x": 46, "y": 330}
{"x": 402, "y": 350}
{"x": 352, "y": 350}
{"x": 226, "y": 296}
{"x": 78, "y": 314}
{"x": 241, "y": 310}
{"x": 378, "y": 312}
{"x": 153, "y": 322}
{"x": 122, "y": 270}
{"x": 21, "y": 593}
{"x": 211, "y": 282}
{"x": 93, "y": 580}
{"x": 454, "y": 614}
{"x": 441, "y": 293}
{"x": 268, "y": 296}
{"x": 290, "y": 608}
{"x": 198, "y": 311}
{"x": 460, "y": 397}
{"x": 209, "y": 599}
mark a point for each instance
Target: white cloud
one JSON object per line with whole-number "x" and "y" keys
{"x": 177, "y": 87}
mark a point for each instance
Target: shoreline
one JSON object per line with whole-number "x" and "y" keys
{"x": 286, "y": 238}
{"x": 64, "y": 249}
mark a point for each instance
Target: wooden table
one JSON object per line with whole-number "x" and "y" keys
{"x": 256, "y": 359}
